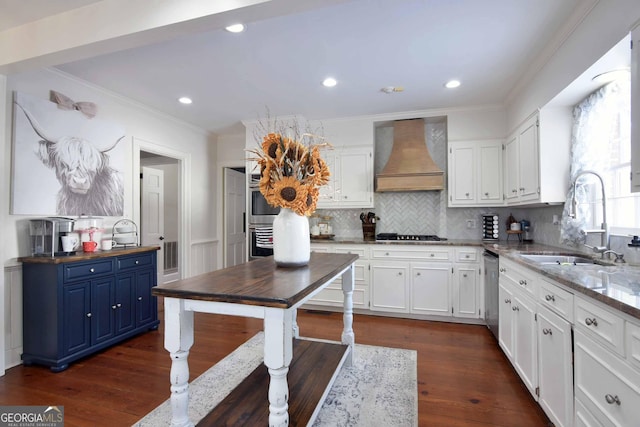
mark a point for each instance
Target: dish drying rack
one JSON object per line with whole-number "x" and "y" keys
{"x": 128, "y": 237}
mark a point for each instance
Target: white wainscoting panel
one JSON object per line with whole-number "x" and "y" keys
{"x": 13, "y": 316}
{"x": 204, "y": 254}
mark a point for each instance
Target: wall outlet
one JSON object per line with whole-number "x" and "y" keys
{"x": 471, "y": 223}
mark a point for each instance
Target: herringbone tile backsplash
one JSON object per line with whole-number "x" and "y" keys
{"x": 422, "y": 212}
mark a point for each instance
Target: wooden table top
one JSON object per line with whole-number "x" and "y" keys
{"x": 84, "y": 256}
{"x": 259, "y": 282}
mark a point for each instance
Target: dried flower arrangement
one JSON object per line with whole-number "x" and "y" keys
{"x": 292, "y": 171}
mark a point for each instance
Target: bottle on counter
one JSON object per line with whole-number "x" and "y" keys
{"x": 325, "y": 226}
{"x": 315, "y": 229}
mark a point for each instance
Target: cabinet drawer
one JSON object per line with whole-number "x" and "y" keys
{"x": 556, "y": 299}
{"x": 518, "y": 276}
{"x": 84, "y": 270}
{"x": 424, "y": 254}
{"x": 320, "y": 248}
{"x": 466, "y": 255}
{"x": 605, "y": 384}
{"x": 583, "y": 417}
{"x": 333, "y": 296}
{"x": 632, "y": 338}
{"x": 600, "y": 324}
{"x": 361, "y": 252}
{"x": 360, "y": 273}
{"x": 134, "y": 261}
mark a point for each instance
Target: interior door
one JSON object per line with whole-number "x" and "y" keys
{"x": 152, "y": 211}
{"x": 235, "y": 194}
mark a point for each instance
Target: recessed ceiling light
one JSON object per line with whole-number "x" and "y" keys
{"x": 185, "y": 100}
{"x": 451, "y": 84}
{"x": 612, "y": 75}
{"x": 329, "y": 82}
{"x": 235, "y": 28}
{"x": 392, "y": 89}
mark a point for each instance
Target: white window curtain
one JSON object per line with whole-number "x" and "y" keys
{"x": 600, "y": 142}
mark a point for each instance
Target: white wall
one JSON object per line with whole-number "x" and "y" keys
{"x": 139, "y": 122}
{"x": 230, "y": 153}
{"x": 607, "y": 23}
{"x": 4, "y": 211}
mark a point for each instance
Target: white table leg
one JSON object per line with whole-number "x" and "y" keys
{"x": 296, "y": 329}
{"x": 278, "y": 352}
{"x": 178, "y": 339}
{"x": 348, "y": 337}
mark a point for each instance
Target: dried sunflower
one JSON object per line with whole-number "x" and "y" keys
{"x": 289, "y": 193}
{"x": 270, "y": 145}
{"x": 312, "y": 199}
{"x": 290, "y": 172}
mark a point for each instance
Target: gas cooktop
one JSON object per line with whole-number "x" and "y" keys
{"x": 409, "y": 237}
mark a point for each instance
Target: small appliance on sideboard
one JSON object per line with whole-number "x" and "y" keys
{"x": 490, "y": 227}
{"x": 46, "y": 235}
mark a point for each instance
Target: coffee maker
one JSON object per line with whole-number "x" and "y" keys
{"x": 46, "y": 233}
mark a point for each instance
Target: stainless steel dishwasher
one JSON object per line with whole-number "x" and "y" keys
{"x": 491, "y": 291}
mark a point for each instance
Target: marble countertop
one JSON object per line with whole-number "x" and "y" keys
{"x": 360, "y": 241}
{"x": 616, "y": 285}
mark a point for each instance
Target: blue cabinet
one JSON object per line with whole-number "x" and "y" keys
{"x": 74, "y": 308}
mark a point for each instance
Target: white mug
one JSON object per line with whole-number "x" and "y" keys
{"x": 107, "y": 244}
{"x": 69, "y": 243}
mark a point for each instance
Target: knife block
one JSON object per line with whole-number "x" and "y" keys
{"x": 369, "y": 231}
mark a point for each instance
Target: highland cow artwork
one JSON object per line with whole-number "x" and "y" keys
{"x": 67, "y": 161}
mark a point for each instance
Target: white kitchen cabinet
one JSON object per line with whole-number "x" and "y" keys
{"x": 555, "y": 298}
{"x": 521, "y": 163}
{"x": 505, "y": 323}
{"x": 351, "y": 182}
{"x": 600, "y": 323}
{"x": 332, "y": 295}
{"x": 605, "y": 384}
{"x": 555, "y": 367}
{"x": 475, "y": 173}
{"x": 441, "y": 281}
{"x": 537, "y": 159}
{"x": 519, "y": 318}
{"x": 466, "y": 291}
{"x": 525, "y": 340}
{"x": 583, "y": 417}
{"x": 468, "y": 285}
{"x": 537, "y": 340}
{"x": 431, "y": 289}
{"x": 390, "y": 286}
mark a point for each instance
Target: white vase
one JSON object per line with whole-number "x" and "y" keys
{"x": 291, "y": 241}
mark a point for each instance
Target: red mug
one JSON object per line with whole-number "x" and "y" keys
{"x": 89, "y": 246}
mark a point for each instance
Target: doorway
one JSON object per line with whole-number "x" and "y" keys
{"x": 234, "y": 217}
{"x": 168, "y": 224}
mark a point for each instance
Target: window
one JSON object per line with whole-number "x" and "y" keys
{"x": 601, "y": 142}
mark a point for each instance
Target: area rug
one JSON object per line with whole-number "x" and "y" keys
{"x": 380, "y": 388}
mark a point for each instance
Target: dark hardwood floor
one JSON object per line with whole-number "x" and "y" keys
{"x": 464, "y": 379}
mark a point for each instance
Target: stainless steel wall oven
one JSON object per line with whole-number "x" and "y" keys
{"x": 255, "y": 250}
{"x": 260, "y": 212}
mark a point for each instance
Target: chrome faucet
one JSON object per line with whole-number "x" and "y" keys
{"x": 604, "y": 231}
{"x": 619, "y": 257}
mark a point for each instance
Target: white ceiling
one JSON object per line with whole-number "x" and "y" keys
{"x": 279, "y": 63}
{"x": 18, "y": 12}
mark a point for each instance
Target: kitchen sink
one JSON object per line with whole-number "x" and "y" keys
{"x": 559, "y": 259}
